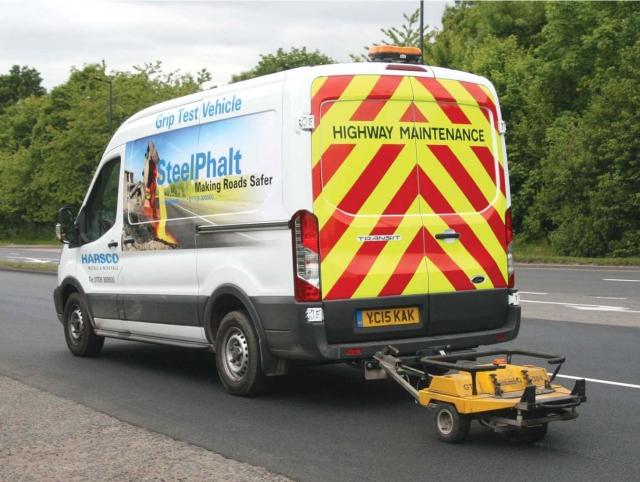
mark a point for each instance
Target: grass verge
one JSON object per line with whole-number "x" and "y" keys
{"x": 543, "y": 253}
{"x": 26, "y": 241}
{"x": 25, "y": 266}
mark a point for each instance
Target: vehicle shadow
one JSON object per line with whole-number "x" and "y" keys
{"x": 333, "y": 392}
{"x": 314, "y": 384}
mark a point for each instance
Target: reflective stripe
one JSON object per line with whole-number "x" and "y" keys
{"x": 381, "y": 92}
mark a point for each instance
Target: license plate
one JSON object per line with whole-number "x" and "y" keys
{"x": 387, "y": 317}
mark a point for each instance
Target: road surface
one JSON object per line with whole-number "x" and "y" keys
{"x": 326, "y": 423}
{"x": 39, "y": 255}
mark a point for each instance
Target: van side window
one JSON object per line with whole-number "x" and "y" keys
{"x": 101, "y": 208}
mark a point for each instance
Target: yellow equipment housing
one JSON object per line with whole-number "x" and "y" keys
{"x": 519, "y": 400}
{"x": 457, "y": 388}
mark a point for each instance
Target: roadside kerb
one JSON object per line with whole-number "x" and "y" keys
{"x": 43, "y": 436}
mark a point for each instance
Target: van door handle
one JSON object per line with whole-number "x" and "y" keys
{"x": 112, "y": 244}
{"x": 448, "y": 234}
{"x": 126, "y": 241}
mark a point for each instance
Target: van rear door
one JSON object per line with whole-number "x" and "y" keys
{"x": 461, "y": 179}
{"x": 365, "y": 189}
{"x": 409, "y": 191}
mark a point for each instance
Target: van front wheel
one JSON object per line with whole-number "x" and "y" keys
{"x": 238, "y": 356}
{"x": 78, "y": 332}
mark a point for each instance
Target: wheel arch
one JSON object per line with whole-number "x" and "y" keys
{"x": 68, "y": 286}
{"x": 227, "y": 298}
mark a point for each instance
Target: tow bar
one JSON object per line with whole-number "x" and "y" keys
{"x": 519, "y": 400}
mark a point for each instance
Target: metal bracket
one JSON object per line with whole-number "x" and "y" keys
{"x": 527, "y": 378}
{"x": 496, "y": 384}
{"x": 306, "y": 122}
{"x": 502, "y": 127}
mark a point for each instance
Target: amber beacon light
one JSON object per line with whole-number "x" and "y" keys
{"x": 394, "y": 53}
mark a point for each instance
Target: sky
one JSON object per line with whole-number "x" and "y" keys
{"x": 223, "y": 37}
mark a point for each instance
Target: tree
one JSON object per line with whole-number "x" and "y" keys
{"x": 284, "y": 60}
{"x": 407, "y": 35}
{"x": 50, "y": 146}
{"x": 19, "y": 83}
{"x": 589, "y": 196}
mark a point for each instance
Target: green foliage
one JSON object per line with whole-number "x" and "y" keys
{"x": 567, "y": 74}
{"x": 407, "y": 35}
{"x": 51, "y": 145}
{"x": 284, "y": 60}
{"x": 19, "y": 83}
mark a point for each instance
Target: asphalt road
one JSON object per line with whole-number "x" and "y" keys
{"x": 39, "y": 255}
{"x": 588, "y": 295}
{"x": 326, "y": 423}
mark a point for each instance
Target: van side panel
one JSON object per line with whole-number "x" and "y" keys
{"x": 197, "y": 177}
{"x": 258, "y": 261}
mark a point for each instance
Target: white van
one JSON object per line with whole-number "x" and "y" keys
{"x": 317, "y": 214}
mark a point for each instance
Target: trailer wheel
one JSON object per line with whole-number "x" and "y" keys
{"x": 451, "y": 426}
{"x": 528, "y": 434}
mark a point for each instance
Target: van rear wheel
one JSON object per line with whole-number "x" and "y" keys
{"x": 238, "y": 356}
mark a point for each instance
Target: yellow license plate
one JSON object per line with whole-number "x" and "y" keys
{"x": 387, "y": 317}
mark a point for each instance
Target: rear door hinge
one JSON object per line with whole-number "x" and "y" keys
{"x": 306, "y": 122}
{"x": 502, "y": 127}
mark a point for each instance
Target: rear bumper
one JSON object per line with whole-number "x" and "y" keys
{"x": 290, "y": 336}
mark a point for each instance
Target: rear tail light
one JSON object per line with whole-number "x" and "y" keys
{"x": 508, "y": 225}
{"x": 306, "y": 256}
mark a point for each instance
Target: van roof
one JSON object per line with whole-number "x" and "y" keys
{"x": 373, "y": 68}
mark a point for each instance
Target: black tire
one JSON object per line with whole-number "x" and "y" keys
{"x": 78, "y": 331}
{"x": 238, "y": 356}
{"x": 528, "y": 435}
{"x": 451, "y": 427}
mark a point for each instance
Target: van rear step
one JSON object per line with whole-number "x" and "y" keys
{"x": 519, "y": 400}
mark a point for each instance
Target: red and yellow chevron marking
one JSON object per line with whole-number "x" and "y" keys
{"x": 382, "y": 194}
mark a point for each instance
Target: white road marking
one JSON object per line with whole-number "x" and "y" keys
{"x": 31, "y": 260}
{"x": 622, "y": 280}
{"x": 584, "y": 306}
{"x": 617, "y": 309}
{"x": 608, "y": 298}
{"x": 596, "y": 380}
{"x": 533, "y": 293}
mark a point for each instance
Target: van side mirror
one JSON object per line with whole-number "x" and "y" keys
{"x": 66, "y": 229}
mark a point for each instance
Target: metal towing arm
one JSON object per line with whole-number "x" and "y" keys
{"x": 517, "y": 399}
